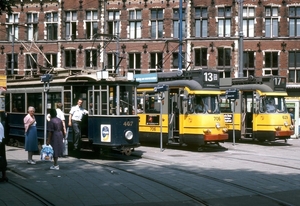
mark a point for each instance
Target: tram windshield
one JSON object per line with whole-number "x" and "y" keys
{"x": 204, "y": 104}
{"x": 273, "y": 104}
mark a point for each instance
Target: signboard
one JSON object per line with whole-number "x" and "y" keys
{"x": 232, "y": 94}
{"x": 105, "y": 132}
{"x": 210, "y": 79}
{"x": 228, "y": 118}
{"x": 146, "y": 78}
{"x": 2, "y": 83}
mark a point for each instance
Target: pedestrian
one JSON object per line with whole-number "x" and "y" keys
{"x": 61, "y": 115}
{"x": 76, "y": 114}
{"x": 55, "y": 137}
{"x": 3, "y": 161}
{"x": 31, "y": 140}
{"x": 291, "y": 111}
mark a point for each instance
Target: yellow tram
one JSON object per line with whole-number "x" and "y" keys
{"x": 260, "y": 111}
{"x": 181, "y": 121}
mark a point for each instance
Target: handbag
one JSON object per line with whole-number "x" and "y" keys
{"x": 65, "y": 150}
{"x": 46, "y": 152}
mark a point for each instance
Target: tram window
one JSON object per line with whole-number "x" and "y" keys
{"x": 18, "y": 102}
{"x": 35, "y": 100}
{"x": 7, "y": 103}
{"x": 151, "y": 103}
{"x": 225, "y": 105}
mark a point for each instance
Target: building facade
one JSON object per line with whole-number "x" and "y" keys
{"x": 142, "y": 36}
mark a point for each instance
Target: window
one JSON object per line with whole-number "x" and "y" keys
{"x": 91, "y": 58}
{"x": 224, "y": 62}
{"x": 271, "y": 63}
{"x": 294, "y": 66}
{"x": 135, "y": 23}
{"x": 31, "y": 61}
{"x": 224, "y": 22}
{"x": 11, "y": 61}
{"x": 113, "y": 22}
{"x": 271, "y": 22}
{"x": 52, "y": 58}
{"x": 91, "y": 24}
{"x": 176, "y": 28}
{"x": 135, "y": 63}
{"x": 111, "y": 62}
{"x": 175, "y": 63}
{"x": 200, "y": 57}
{"x": 157, "y": 23}
{"x": 70, "y": 58}
{"x": 248, "y": 60}
{"x": 71, "y": 28}
{"x": 248, "y": 21}
{"x": 156, "y": 61}
{"x": 201, "y": 19}
{"x": 32, "y": 26}
{"x": 51, "y": 25}
{"x": 294, "y": 23}
{"x": 13, "y": 27}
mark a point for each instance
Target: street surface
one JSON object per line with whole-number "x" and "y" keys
{"x": 246, "y": 173}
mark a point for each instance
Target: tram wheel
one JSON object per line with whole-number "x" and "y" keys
{"x": 126, "y": 151}
{"x": 200, "y": 149}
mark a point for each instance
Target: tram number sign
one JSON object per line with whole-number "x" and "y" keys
{"x": 232, "y": 94}
{"x": 128, "y": 123}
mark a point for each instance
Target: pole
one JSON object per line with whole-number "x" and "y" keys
{"x": 180, "y": 36}
{"x": 45, "y": 118}
{"x": 12, "y": 54}
{"x": 233, "y": 132}
{"x": 241, "y": 36}
{"x": 117, "y": 53}
{"x": 160, "y": 122}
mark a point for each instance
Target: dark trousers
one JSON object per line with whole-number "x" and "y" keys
{"x": 3, "y": 162}
{"x": 76, "y": 125}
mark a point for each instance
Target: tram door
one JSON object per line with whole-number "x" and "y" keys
{"x": 247, "y": 114}
{"x": 82, "y": 92}
{"x": 174, "y": 115}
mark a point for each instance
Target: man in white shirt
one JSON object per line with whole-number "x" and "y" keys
{"x": 75, "y": 117}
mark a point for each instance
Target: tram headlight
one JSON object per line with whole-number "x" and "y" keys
{"x": 286, "y": 124}
{"x": 207, "y": 131}
{"x": 225, "y": 129}
{"x": 218, "y": 125}
{"x": 292, "y": 127}
{"x": 128, "y": 135}
{"x": 278, "y": 128}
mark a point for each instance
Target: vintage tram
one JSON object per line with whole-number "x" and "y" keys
{"x": 109, "y": 124}
{"x": 175, "y": 118}
{"x": 260, "y": 111}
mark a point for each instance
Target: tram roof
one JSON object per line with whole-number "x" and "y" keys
{"x": 191, "y": 84}
{"x": 71, "y": 79}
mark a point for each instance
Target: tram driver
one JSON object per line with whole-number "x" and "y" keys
{"x": 200, "y": 107}
{"x": 270, "y": 105}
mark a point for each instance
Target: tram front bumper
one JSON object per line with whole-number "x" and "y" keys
{"x": 215, "y": 137}
{"x": 283, "y": 134}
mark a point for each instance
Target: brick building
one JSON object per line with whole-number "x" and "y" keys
{"x": 142, "y": 36}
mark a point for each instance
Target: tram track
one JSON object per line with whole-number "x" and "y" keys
{"x": 175, "y": 169}
{"x": 39, "y": 199}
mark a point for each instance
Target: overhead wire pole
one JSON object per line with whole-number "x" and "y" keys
{"x": 180, "y": 36}
{"x": 12, "y": 53}
{"x": 241, "y": 41}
